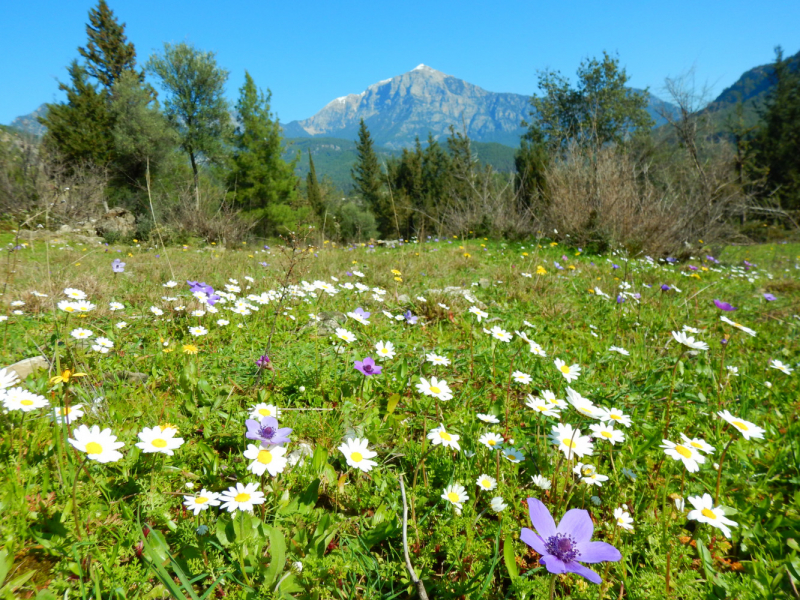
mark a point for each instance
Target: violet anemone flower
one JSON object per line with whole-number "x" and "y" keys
{"x": 263, "y": 362}
{"x": 724, "y": 305}
{"x": 769, "y": 297}
{"x": 410, "y": 319}
{"x": 565, "y": 547}
{"x": 117, "y": 266}
{"x": 368, "y": 367}
{"x": 202, "y": 286}
{"x": 664, "y": 287}
{"x": 267, "y": 432}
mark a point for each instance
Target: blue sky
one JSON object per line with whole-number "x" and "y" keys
{"x": 309, "y": 53}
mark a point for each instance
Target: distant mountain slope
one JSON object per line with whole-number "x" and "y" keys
{"x": 29, "y": 123}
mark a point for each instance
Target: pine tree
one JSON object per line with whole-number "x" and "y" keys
{"x": 367, "y": 177}
{"x": 313, "y": 192}
{"x": 261, "y": 177}
{"x": 108, "y": 53}
{"x": 530, "y": 161}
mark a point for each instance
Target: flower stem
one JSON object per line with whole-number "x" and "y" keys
{"x": 719, "y": 471}
{"x": 671, "y": 391}
{"x": 75, "y": 511}
{"x": 552, "y": 587}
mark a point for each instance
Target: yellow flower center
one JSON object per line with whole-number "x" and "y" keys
{"x": 265, "y": 412}
{"x": 200, "y": 500}
{"x": 619, "y": 520}
{"x": 568, "y": 443}
{"x": 683, "y": 451}
{"x": 445, "y": 436}
{"x": 708, "y": 514}
{"x": 491, "y": 442}
{"x": 264, "y": 457}
{"x": 384, "y": 351}
{"x": 696, "y": 445}
{"x": 486, "y": 483}
{"x": 242, "y": 497}
{"x": 26, "y": 402}
{"x": 159, "y": 443}
{"x": 435, "y": 390}
{"x": 94, "y": 448}
{"x": 357, "y": 456}
{"x": 453, "y": 497}
{"x": 615, "y": 417}
{"x": 564, "y": 369}
{"x": 605, "y": 434}
{"x": 741, "y": 425}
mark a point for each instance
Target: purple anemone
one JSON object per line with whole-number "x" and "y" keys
{"x": 202, "y": 286}
{"x": 724, "y": 305}
{"x": 410, "y": 319}
{"x": 565, "y": 547}
{"x": 769, "y": 297}
{"x": 117, "y": 266}
{"x": 263, "y": 361}
{"x": 267, "y": 432}
{"x": 368, "y": 367}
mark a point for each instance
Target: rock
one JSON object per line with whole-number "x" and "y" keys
{"x": 25, "y": 367}
{"x": 404, "y": 299}
{"x": 118, "y": 221}
{"x": 330, "y": 320}
{"x": 484, "y": 283}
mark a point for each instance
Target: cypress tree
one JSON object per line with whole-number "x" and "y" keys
{"x": 313, "y": 192}
{"x": 367, "y": 176}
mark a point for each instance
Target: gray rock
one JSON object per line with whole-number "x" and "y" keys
{"x": 330, "y": 321}
{"x": 25, "y": 367}
{"x": 118, "y": 220}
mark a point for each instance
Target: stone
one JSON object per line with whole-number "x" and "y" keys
{"x": 25, "y": 367}
{"x": 118, "y": 221}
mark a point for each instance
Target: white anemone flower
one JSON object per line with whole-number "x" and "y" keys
{"x": 358, "y": 454}
{"x": 101, "y": 446}
{"x": 201, "y": 501}
{"x": 385, "y": 350}
{"x": 705, "y": 512}
{"x": 270, "y": 459}
{"x": 156, "y": 439}
{"x": 241, "y": 497}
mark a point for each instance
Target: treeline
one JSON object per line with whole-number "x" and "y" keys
{"x": 590, "y": 166}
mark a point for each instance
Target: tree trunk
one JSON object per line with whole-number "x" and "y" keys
{"x": 196, "y": 181}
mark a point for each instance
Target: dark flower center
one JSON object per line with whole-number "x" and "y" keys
{"x": 562, "y": 546}
{"x": 367, "y": 368}
{"x": 266, "y": 432}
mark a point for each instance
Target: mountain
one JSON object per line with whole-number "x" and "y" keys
{"x": 399, "y": 109}
{"x": 29, "y": 123}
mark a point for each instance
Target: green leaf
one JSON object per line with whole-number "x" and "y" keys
{"x": 319, "y": 460}
{"x": 510, "y": 557}
{"x": 392, "y": 404}
{"x": 277, "y": 550}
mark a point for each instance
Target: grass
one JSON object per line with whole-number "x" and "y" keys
{"x": 78, "y": 528}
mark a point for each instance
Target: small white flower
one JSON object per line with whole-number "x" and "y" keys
{"x": 623, "y": 518}
{"x": 81, "y": 334}
{"x": 438, "y": 360}
{"x": 241, "y": 497}
{"x": 521, "y": 377}
{"x": 270, "y": 459}
{"x": 619, "y": 350}
{"x": 158, "y": 439}
{"x": 705, "y": 512}
{"x": 488, "y": 418}
{"x": 776, "y": 364}
{"x": 570, "y": 372}
{"x": 385, "y": 350}
{"x": 358, "y": 455}
{"x": 689, "y": 341}
{"x": 441, "y": 436}
{"x": 541, "y": 482}
{"x": 345, "y": 335}
{"x": 201, "y": 501}
{"x": 456, "y": 495}
{"x": 121, "y": 325}
{"x": 198, "y": 331}
{"x": 485, "y": 482}
{"x": 493, "y": 441}
{"x": 498, "y": 504}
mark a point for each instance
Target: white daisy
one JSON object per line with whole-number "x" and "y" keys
{"x": 542, "y": 406}
{"x": 619, "y": 350}
{"x": 116, "y": 306}
{"x": 541, "y": 482}
{"x": 437, "y": 388}
{"x": 537, "y": 350}
{"x": 156, "y": 439}
{"x": 385, "y": 350}
{"x": 441, "y": 436}
{"x": 498, "y": 504}
{"x": 121, "y": 325}
{"x": 698, "y": 444}
{"x": 157, "y": 311}
{"x": 739, "y": 326}
{"x": 270, "y": 459}
{"x": 521, "y": 377}
{"x": 615, "y": 415}
{"x": 456, "y": 495}
{"x": 83, "y": 306}
{"x": 17, "y": 398}
{"x": 493, "y": 441}
{"x": 261, "y": 410}
{"x": 75, "y": 294}
{"x": 689, "y": 341}
{"x": 241, "y": 497}
{"x": 67, "y": 306}
{"x": 776, "y": 364}
{"x": 484, "y": 482}
{"x": 101, "y": 446}
{"x": 7, "y": 378}
{"x": 690, "y": 457}
{"x": 605, "y": 431}
{"x": 583, "y": 405}
{"x": 570, "y": 372}
{"x": 478, "y": 313}
{"x": 550, "y": 397}
{"x": 170, "y": 284}
{"x": 513, "y": 455}
{"x": 81, "y": 334}
{"x": 746, "y": 428}
{"x": 358, "y": 455}
{"x": 705, "y": 512}
{"x": 570, "y": 441}
{"x": 499, "y": 333}
{"x": 623, "y": 518}
{"x": 589, "y": 474}
{"x": 435, "y": 359}
{"x": 488, "y": 418}
{"x": 198, "y": 331}
{"x": 345, "y": 335}
{"x": 201, "y": 501}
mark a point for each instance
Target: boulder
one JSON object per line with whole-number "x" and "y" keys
{"x": 118, "y": 221}
{"x": 25, "y": 367}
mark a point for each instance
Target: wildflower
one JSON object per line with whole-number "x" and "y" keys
{"x": 583, "y": 405}
{"x": 542, "y": 406}
{"x": 513, "y": 455}
{"x": 479, "y": 314}
{"x": 689, "y": 341}
{"x": 570, "y": 441}
{"x": 116, "y": 306}
{"x": 690, "y": 457}
{"x": 241, "y": 497}
{"x": 410, "y": 319}
{"x": 704, "y": 512}
{"x": 345, "y": 335}
{"x": 156, "y": 311}
{"x": 776, "y": 364}
{"x": 81, "y": 334}
{"x": 521, "y": 377}
{"x": 488, "y": 418}
{"x": 159, "y": 440}
{"x": 734, "y": 371}
{"x": 170, "y": 284}
{"x": 537, "y": 350}
{"x": 102, "y": 345}
{"x": 385, "y": 350}
{"x": 368, "y": 367}
{"x": 604, "y": 431}
{"x": 261, "y": 410}
{"x": 266, "y": 458}
{"x": 698, "y": 444}
{"x": 75, "y": 294}
{"x": 769, "y": 297}
{"x": 614, "y": 414}
{"x": 541, "y": 482}
{"x": 101, "y": 446}
{"x": 498, "y": 504}
{"x": 7, "y": 378}
{"x": 65, "y": 377}
{"x": 83, "y": 306}
{"x": 201, "y": 501}
{"x": 437, "y": 388}
{"x": 563, "y": 548}
{"x": 623, "y": 518}
{"x": 267, "y": 432}
{"x": 358, "y": 455}
{"x": 440, "y": 436}
{"x": 223, "y": 322}
{"x": 360, "y": 315}
{"x": 17, "y": 398}
{"x": 724, "y": 305}
{"x": 499, "y": 334}
{"x": 456, "y": 495}
{"x": 746, "y": 428}
{"x": 117, "y": 266}
{"x": 570, "y": 373}
{"x": 263, "y": 362}
{"x": 589, "y": 474}
{"x": 739, "y": 326}
{"x": 491, "y": 440}
{"x": 435, "y": 359}
{"x": 620, "y": 350}
{"x": 67, "y": 306}
{"x": 550, "y": 397}
{"x": 485, "y": 482}
{"x": 189, "y": 349}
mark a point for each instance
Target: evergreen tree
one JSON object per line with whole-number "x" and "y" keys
{"x": 530, "y": 163}
{"x": 260, "y": 176}
{"x": 195, "y": 104}
{"x": 367, "y": 177}
{"x": 108, "y": 54}
{"x": 465, "y": 175}
{"x": 313, "y": 191}
{"x": 776, "y": 144}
